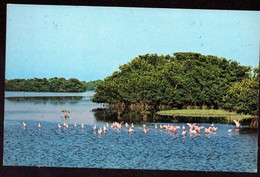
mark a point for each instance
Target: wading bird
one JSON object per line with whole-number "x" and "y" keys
{"x": 39, "y": 125}
{"x": 161, "y": 127}
{"x": 82, "y": 125}
{"x": 66, "y": 126}
{"x": 214, "y": 129}
{"x": 183, "y": 127}
{"x": 145, "y": 130}
{"x": 94, "y": 128}
{"x": 177, "y": 127}
{"x": 207, "y": 130}
{"x": 183, "y": 133}
{"x": 131, "y": 130}
{"x": 104, "y": 128}
{"x": 59, "y": 126}
{"x": 193, "y": 132}
{"x": 237, "y": 123}
{"x": 100, "y": 131}
{"x": 25, "y": 125}
{"x": 197, "y": 128}
{"x": 191, "y": 125}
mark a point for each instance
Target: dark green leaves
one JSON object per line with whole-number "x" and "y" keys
{"x": 185, "y": 79}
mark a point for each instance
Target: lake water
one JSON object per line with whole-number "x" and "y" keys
{"x": 76, "y": 147}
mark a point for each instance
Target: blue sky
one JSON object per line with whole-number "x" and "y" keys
{"x": 89, "y": 43}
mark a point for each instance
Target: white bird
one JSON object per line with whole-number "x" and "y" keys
{"x": 39, "y": 125}
{"x": 66, "y": 126}
{"x": 237, "y": 123}
{"x": 94, "y": 128}
{"x": 104, "y": 128}
{"x": 183, "y": 127}
{"x": 126, "y": 125}
{"x": 100, "y": 131}
{"x": 82, "y": 125}
{"x": 229, "y": 130}
{"x": 25, "y": 125}
{"x": 132, "y": 125}
{"x": 75, "y": 125}
{"x": 155, "y": 127}
{"x": 59, "y": 126}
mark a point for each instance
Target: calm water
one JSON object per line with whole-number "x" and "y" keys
{"x": 76, "y": 147}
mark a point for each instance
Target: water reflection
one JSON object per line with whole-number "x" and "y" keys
{"x": 47, "y": 100}
{"x": 111, "y": 115}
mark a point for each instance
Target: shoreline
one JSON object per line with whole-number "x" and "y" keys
{"x": 208, "y": 113}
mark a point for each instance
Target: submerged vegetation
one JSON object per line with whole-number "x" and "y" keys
{"x": 181, "y": 81}
{"x": 49, "y": 85}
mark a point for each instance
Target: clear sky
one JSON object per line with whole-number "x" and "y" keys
{"x": 89, "y": 43}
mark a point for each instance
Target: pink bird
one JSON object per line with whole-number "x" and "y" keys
{"x": 161, "y": 127}
{"x": 194, "y": 132}
{"x": 183, "y": 133}
{"x": 207, "y": 130}
{"x": 145, "y": 130}
{"x": 199, "y": 128}
{"x": 214, "y": 129}
{"x": 131, "y": 130}
{"x": 191, "y": 125}
{"x": 177, "y": 127}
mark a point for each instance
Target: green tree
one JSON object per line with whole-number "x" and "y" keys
{"x": 242, "y": 97}
{"x": 181, "y": 80}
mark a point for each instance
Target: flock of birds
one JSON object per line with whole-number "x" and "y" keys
{"x": 193, "y": 128}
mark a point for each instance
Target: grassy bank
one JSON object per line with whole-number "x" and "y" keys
{"x": 205, "y": 113}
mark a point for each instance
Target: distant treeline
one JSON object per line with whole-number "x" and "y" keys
{"x": 184, "y": 80}
{"x": 49, "y": 85}
{"x": 90, "y": 85}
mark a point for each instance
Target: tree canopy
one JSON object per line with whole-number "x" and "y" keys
{"x": 182, "y": 80}
{"x": 54, "y": 84}
{"x": 90, "y": 85}
{"x": 45, "y": 85}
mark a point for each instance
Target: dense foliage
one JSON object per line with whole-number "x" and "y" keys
{"x": 90, "y": 85}
{"x": 44, "y": 85}
{"x": 181, "y": 80}
{"x": 242, "y": 97}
